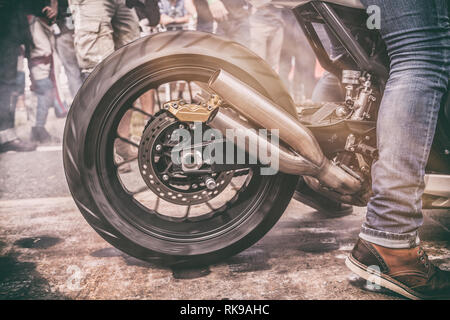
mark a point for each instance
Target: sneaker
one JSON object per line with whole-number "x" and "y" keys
{"x": 17, "y": 145}
{"x": 407, "y": 272}
{"x": 315, "y": 200}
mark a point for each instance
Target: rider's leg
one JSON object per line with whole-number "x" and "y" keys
{"x": 417, "y": 35}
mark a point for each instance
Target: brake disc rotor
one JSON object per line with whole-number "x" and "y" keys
{"x": 158, "y": 170}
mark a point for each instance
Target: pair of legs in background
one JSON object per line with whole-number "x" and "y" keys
{"x": 41, "y": 65}
{"x": 14, "y": 33}
{"x": 8, "y": 83}
{"x": 235, "y": 29}
{"x": 267, "y": 32}
{"x": 296, "y": 47}
{"x": 101, "y": 27}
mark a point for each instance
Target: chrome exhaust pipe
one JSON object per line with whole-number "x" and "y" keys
{"x": 288, "y": 162}
{"x": 257, "y": 108}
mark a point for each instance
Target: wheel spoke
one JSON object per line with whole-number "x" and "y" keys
{"x": 157, "y": 98}
{"x": 168, "y": 91}
{"x": 190, "y": 91}
{"x": 188, "y": 210}
{"x": 169, "y": 166}
{"x": 157, "y": 203}
{"x": 209, "y": 205}
{"x": 128, "y": 141}
{"x": 141, "y": 111}
{"x": 126, "y": 161}
{"x": 140, "y": 190}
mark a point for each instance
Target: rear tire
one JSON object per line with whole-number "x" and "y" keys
{"x": 125, "y": 75}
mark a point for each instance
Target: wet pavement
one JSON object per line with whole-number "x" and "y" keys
{"x": 48, "y": 251}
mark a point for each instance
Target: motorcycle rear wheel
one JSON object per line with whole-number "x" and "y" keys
{"x": 92, "y": 174}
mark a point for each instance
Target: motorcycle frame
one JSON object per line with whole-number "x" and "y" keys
{"x": 325, "y": 13}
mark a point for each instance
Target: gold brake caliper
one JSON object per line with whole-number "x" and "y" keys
{"x": 192, "y": 112}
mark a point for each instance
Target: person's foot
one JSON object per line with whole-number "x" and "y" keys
{"x": 405, "y": 271}
{"x": 308, "y": 196}
{"x": 17, "y": 145}
{"x": 41, "y": 135}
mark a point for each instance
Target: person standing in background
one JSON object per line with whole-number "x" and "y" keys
{"x": 51, "y": 34}
{"x": 148, "y": 14}
{"x": 232, "y": 17}
{"x": 190, "y": 7}
{"x": 173, "y": 17}
{"x": 18, "y": 96}
{"x": 13, "y": 32}
{"x": 296, "y": 47}
{"x": 42, "y": 28}
{"x": 266, "y": 30}
{"x": 149, "y": 17}
{"x": 173, "y": 14}
{"x": 101, "y": 27}
{"x": 64, "y": 45}
{"x": 205, "y": 20}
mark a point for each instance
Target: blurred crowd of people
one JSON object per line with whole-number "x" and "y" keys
{"x": 81, "y": 33}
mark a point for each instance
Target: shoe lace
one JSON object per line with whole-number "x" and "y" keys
{"x": 423, "y": 257}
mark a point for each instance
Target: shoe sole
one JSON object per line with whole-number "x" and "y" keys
{"x": 381, "y": 279}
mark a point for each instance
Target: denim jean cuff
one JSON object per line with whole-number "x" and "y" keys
{"x": 389, "y": 239}
{"x": 7, "y": 135}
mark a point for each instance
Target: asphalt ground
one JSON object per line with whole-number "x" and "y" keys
{"x": 48, "y": 251}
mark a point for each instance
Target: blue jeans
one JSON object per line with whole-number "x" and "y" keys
{"x": 44, "y": 90}
{"x": 417, "y": 35}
